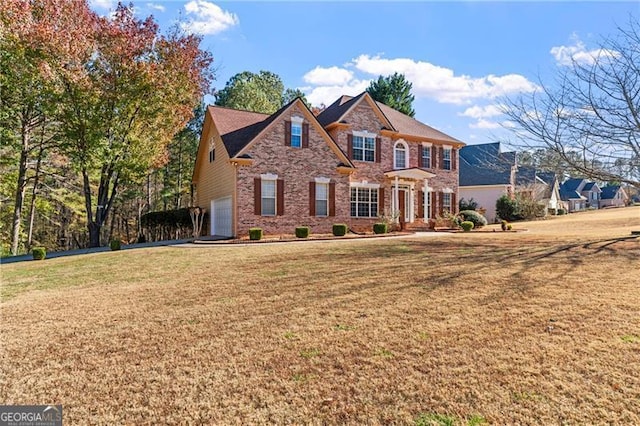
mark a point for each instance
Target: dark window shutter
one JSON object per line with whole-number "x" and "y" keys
{"x": 441, "y": 157}
{"x": 332, "y": 198}
{"x": 420, "y": 204}
{"x": 380, "y": 201}
{"x": 305, "y": 135}
{"x": 287, "y": 133}
{"x": 350, "y": 146}
{"x": 280, "y": 197}
{"x": 420, "y": 156}
{"x": 257, "y": 196}
{"x": 378, "y": 148}
{"x": 434, "y": 156}
{"x": 454, "y": 155}
{"x": 312, "y": 198}
{"x": 440, "y": 202}
{"x": 454, "y": 204}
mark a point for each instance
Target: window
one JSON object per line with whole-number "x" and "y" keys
{"x": 364, "y": 148}
{"x": 446, "y": 159}
{"x": 400, "y": 155}
{"x": 268, "y": 197}
{"x": 426, "y": 156}
{"x": 212, "y": 151}
{"x": 322, "y": 199}
{"x": 446, "y": 202}
{"x": 296, "y": 135}
{"x": 364, "y": 202}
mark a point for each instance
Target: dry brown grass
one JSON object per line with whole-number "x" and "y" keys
{"x": 540, "y": 327}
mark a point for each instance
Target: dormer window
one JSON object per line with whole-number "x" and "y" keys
{"x": 400, "y": 155}
{"x": 295, "y": 136}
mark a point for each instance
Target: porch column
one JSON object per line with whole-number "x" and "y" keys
{"x": 396, "y": 207}
{"x": 424, "y": 200}
{"x": 412, "y": 200}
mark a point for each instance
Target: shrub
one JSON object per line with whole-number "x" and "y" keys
{"x": 473, "y": 216}
{"x": 466, "y": 225}
{"x": 504, "y": 225}
{"x": 379, "y": 228}
{"x": 561, "y": 212}
{"x": 509, "y": 227}
{"x": 115, "y": 244}
{"x": 506, "y": 208}
{"x": 302, "y": 231}
{"x": 39, "y": 253}
{"x": 339, "y": 229}
{"x": 468, "y": 205}
{"x": 255, "y": 234}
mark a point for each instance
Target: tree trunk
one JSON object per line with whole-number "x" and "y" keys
{"x": 94, "y": 234}
{"x": 20, "y": 190}
{"x": 34, "y": 193}
{"x": 179, "y": 178}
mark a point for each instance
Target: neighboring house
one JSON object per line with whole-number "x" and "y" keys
{"x": 580, "y": 194}
{"x": 356, "y": 161}
{"x": 613, "y": 196}
{"x": 549, "y": 187}
{"x": 487, "y": 173}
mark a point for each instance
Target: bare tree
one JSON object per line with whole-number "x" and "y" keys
{"x": 590, "y": 117}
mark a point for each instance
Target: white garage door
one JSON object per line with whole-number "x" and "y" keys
{"x": 221, "y": 214}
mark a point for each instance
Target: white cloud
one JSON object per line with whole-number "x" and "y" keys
{"x": 326, "y": 84}
{"x": 439, "y": 83}
{"x": 485, "y": 124}
{"x": 486, "y": 111}
{"x": 208, "y": 18}
{"x": 331, "y": 76}
{"x": 578, "y": 53}
{"x": 155, "y": 6}
{"x": 103, "y": 4}
{"x": 328, "y": 94}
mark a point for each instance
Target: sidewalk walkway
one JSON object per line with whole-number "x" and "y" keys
{"x": 54, "y": 254}
{"x": 210, "y": 241}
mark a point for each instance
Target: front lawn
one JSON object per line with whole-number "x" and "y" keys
{"x": 537, "y": 327}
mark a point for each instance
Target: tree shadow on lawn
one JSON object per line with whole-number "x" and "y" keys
{"x": 433, "y": 265}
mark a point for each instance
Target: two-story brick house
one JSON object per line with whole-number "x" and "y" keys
{"x": 356, "y": 161}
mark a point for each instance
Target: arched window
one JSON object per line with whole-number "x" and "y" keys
{"x": 400, "y": 155}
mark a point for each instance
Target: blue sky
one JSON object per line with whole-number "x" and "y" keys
{"x": 461, "y": 57}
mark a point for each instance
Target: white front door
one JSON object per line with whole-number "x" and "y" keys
{"x": 221, "y": 217}
{"x": 403, "y": 203}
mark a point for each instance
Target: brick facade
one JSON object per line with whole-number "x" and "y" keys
{"x": 297, "y": 167}
{"x": 270, "y": 155}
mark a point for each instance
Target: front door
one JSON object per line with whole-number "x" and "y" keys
{"x": 402, "y": 207}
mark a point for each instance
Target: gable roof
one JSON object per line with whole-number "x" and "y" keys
{"x": 485, "y": 164}
{"x": 336, "y": 110}
{"x": 410, "y": 126}
{"x": 240, "y": 138}
{"x": 243, "y": 128}
{"x": 609, "y": 192}
{"x": 571, "y": 184}
{"x": 569, "y": 190}
{"x": 228, "y": 120}
{"x": 591, "y": 186}
{"x": 399, "y": 122}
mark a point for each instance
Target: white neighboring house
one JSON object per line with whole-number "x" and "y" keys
{"x": 487, "y": 173}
